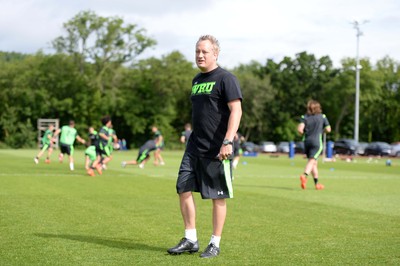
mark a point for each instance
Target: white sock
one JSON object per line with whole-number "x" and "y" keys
{"x": 215, "y": 240}
{"x": 191, "y": 234}
{"x": 71, "y": 166}
{"x": 235, "y": 163}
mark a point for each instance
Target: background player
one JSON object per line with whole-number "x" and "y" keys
{"x": 159, "y": 140}
{"x": 68, "y": 134}
{"x": 312, "y": 125}
{"x": 186, "y": 133}
{"x": 47, "y": 144}
{"x": 143, "y": 155}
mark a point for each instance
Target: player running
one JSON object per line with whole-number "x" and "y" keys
{"x": 67, "y": 139}
{"x": 312, "y": 125}
{"x": 47, "y": 144}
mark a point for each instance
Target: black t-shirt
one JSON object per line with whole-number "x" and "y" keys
{"x": 314, "y": 127}
{"x": 210, "y": 95}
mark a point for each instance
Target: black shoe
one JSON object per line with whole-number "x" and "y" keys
{"x": 185, "y": 245}
{"x": 210, "y": 252}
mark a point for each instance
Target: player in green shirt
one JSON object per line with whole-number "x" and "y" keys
{"x": 47, "y": 144}
{"x": 68, "y": 134}
{"x": 111, "y": 145}
{"x": 90, "y": 157}
{"x": 105, "y": 138}
{"x": 92, "y": 153}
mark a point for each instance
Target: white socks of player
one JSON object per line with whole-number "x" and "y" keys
{"x": 215, "y": 240}
{"x": 71, "y": 166}
{"x": 191, "y": 234}
{"x": 235, "y": 163}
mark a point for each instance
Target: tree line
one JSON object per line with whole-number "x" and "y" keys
{"x": 94, "y": 71}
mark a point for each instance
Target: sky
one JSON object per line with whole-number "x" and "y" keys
{"x": 248, "y": 30}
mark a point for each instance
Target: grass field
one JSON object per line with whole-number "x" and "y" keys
{"x": 50, "y": 215}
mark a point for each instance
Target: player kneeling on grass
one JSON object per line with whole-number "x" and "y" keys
{"x": 144, "y": 154}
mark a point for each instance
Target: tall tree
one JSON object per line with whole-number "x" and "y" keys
{"x": 295, "y": 81}
{"x": 380, "y": 100}
{"x": 105, "y": 41}
{"x": 156, "y": 91}
{"x": 19, "y": 104}
{"x": 257, "y": 94}
{"x": 389, "y": 74}
{"x": 338, "y": 101}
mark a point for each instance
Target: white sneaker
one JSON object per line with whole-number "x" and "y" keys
{"x": 123, "y": 164}
{"x": 141, "y": 166}
{"x": 36, "y": 160}
{"x": 104, "y": 166}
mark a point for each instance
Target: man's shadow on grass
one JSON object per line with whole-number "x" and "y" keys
{"x": 109, "y": 242}
{"x": 264, "y": 186}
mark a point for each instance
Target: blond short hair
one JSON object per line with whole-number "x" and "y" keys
{"x": 212, "y": 39}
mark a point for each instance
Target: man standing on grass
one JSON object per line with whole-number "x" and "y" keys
{"x": 186, "y": 134}
{"x": 206, "y": 165}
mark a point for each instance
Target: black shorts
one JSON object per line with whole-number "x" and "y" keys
{"x": 98, "y": 150}
{"x": 211, "y": 177}
{"x": 143, "y": 156}
{"x": 313, "y": 149}
{"x": 105, "y": 151}
{"x": 67, "y": 149}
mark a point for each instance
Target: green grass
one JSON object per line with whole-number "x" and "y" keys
{"x": 52, "y": 216}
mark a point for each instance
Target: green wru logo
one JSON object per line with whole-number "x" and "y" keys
{"x": 203, "y": 88}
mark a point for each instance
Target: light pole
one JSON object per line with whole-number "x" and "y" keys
{"x": 356, "y": 25}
